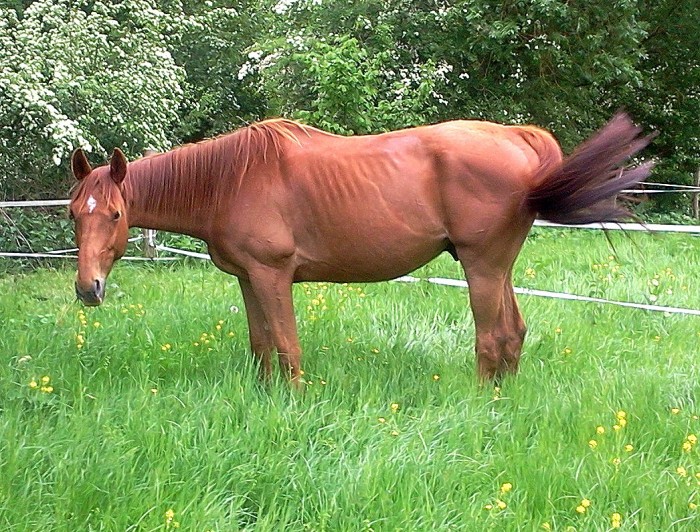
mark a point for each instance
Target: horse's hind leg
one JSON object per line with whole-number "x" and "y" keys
{"x": 500, "y": 330}
{"x": 514, "y": 323}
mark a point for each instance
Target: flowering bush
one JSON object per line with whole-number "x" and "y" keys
{"x": 88, "y": 74}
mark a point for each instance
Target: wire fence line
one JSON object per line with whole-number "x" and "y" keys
{"x": 149, "y": 237}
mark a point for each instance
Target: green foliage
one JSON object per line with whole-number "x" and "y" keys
{"x": 341, "y": 87}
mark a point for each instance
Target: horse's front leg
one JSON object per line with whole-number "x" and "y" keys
{"x": 272, "y": 289}
{"x": 261, "y": 342}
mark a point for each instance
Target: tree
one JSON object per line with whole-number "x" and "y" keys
{"x": 89, "y": 74}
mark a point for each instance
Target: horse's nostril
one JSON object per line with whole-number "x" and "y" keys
{"x": 98, "y": 284}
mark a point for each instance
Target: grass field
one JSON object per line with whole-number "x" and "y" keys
{"x": 146, "y": 414}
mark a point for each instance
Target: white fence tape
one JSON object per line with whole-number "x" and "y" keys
{"x": 650, "y": 228}
{"x": 558, "y": 295}
{"x": 34, "y": 203}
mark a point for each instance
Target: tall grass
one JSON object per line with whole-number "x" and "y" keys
{"x": 150, "y": 416}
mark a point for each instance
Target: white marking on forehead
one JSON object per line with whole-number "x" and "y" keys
{"x": 91, "y": 203}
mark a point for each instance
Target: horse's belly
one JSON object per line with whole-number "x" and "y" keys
{"x": 375, "y": 257}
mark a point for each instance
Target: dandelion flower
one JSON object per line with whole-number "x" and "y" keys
{"x": 629, "y": 448}
{"x": 592, "y": 444}
{"x": 585, "y": 503}
{"x": 394, "y": 407}
{"x": 33, "y": 385}
{"x": 436, "y": 377}
{"x": 675, "y": 411}
{"x": 501, "y": 504}
{"x": 621, "y": 414}
{"x": 506, "y": 487}
{"x": 692, "y": 505}
{"x": 581, "y": 509}
{"x": 687, "y": 446}
{"x": 381, "y": 420}
{"x": 169, "y": 515}
{"x": 615, "y": 520}
{"x": 682, "y": 471}
{"x": 45, "y": 380}
{"x": 600, "y": 429}
{"x": 692, "y": 438}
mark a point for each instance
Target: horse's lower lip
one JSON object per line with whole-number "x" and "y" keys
{"x": 89, "y": 299}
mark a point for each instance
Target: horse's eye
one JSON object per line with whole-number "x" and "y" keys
{"x": 117, "y": 215}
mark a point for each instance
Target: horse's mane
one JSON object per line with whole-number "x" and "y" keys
{"x": 195, "y": 175}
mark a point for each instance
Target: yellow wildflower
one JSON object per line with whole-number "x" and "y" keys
{"x": 629, "y": 448}
{"x": 615, "y": 520}
{"x": 394, "y": 407}
{"x": 592, "y": 444}
{"x": 682, "y": 471}
{"x": 506, "y": 487}
{"x": 600, "y": 429}
{"x": 33, "y": 385}
{"x": 501, "y": 505}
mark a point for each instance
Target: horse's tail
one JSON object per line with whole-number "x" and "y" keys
{"x": 584, "y": 186}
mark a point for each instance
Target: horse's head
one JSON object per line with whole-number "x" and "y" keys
{"x": 101, "y": 230}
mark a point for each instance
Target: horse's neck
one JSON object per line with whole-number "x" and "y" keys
{"x": 155, "y": 200}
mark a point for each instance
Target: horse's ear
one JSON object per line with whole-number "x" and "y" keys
{"x": 117, "y": 166}
{"x": 79, "y": 165}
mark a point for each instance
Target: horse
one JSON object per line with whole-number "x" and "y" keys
{"x": 278, "y": 202}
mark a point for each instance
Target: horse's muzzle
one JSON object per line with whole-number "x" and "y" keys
{"x": 93, "y": 295}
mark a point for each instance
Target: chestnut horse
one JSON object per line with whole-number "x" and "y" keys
{"x": 279, "y": 202}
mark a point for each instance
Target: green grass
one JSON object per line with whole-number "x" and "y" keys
{"x": 139, "y": 420}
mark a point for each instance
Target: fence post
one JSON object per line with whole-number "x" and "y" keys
{"x": 696, "y": 196}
